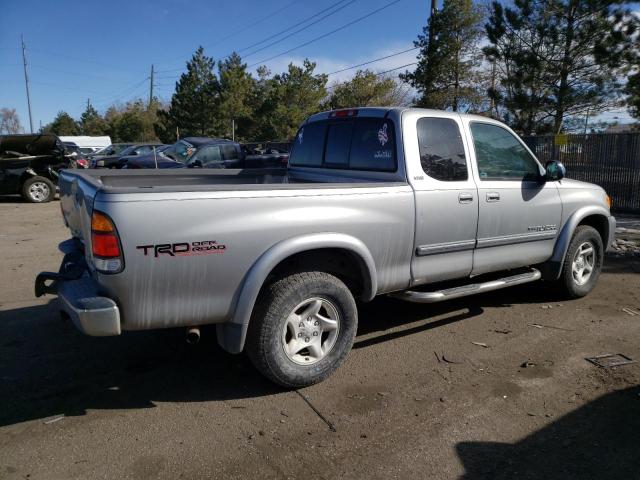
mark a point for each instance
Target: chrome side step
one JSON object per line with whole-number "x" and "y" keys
{"x": 471, "y": 289}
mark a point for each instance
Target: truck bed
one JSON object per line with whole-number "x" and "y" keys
{"x": 194, "y": 180}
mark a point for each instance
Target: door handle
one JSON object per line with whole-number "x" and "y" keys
{"x": 493, "y": 197}
{"x": 465, "y": 198}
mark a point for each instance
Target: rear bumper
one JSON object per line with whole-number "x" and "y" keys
{"x": 77, "y": 292}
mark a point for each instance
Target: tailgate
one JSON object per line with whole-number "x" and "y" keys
{"x": 76, "y": 202}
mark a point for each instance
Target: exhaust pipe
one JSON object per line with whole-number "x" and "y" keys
{"x": 193, "y": 335}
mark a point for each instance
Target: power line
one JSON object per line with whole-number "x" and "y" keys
{"x": 341, "y": 7}
{"x": 372, "y": 61}
{"x": 76, "y": 59}
{"x": 237, "y": 32}
{"x": 320, "y": 37}
{"x": 397, "y": 68}
{"x": 72, "y": 73}
{"x": 65, "y": 87}
{"x": 377, "y": 74}
{"x": 124, "y": 93}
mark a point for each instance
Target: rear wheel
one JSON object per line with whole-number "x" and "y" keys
{"x": 583, "y": 263}
{"x": 38, "y": 190}
{"x": 302, "y": 328}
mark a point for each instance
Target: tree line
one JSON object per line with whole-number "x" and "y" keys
{"x": 541, "y": 66}
{"x": 224, "y": 99}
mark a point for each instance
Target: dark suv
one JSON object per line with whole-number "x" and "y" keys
{"x": 120, "y": 159}
{"x": 29, "y": 165}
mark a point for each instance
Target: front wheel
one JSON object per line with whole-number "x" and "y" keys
{"x": 583, "y": 263}
{"x": 38, "y": 190}
{"x": 302, "y": 328}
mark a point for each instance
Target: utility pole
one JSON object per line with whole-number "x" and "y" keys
{"x": 586, "y": 121}
{"x": 434, "y": 9}
{"x": 493, "y": 89}
{"x": 26, "y": 82}
{"x": 88, "y": 103}
{"x": 151, "y": 88}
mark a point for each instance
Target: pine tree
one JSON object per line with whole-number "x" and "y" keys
{"x": 559, "y": 58}
{"x": 448, "y": 71}
{"x": 63, "y": 124}
{"x": 236, "y": 90}
{"x": 195, "y": 104}
{"x": 91, "y": 123}
{"x": 366, "y": 89}
{"x": 292, "y": 97}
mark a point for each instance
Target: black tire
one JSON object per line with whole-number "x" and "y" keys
{"x": 568, "y": 284}
{"x": 38, "y": 190}
{"x": 268, "y": 327}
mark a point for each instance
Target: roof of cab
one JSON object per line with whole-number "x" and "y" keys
{"x": 381, "y": 112}
{"x": 198, "y": 141}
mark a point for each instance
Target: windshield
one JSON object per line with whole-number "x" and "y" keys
{"x": 127, "y": 151}
{"x": 181, "y": 151}
{"x": 119, "y": 148}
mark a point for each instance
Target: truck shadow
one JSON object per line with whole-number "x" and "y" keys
{"x": 598, "y": 440}
{"x": 49, "y": 368}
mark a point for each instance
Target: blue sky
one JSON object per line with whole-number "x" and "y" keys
{"x": 103, "y": 50}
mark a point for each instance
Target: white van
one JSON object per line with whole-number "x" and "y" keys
{"x": 88, "y": 144}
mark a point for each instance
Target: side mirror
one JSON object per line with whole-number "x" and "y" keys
{"x": 554, "y": 171}
{"x": 195, "y": 164}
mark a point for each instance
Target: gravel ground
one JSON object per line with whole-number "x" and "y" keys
{"x": 627, "y": 236}
{"x": 417, "y": 398}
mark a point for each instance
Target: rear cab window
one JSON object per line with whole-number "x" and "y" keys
{"x": 354, "y": 144}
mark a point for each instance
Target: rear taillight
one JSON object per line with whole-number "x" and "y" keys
{"x": 105, "y": 244}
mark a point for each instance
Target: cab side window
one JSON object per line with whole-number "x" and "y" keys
{"x": 501, "y": 156}
{"x": 441, "y": 149}
{"x": 142, "y": 150}
{"x": 208, "y": 156}
{"x": 229, "y": 152}
{"x": 181, "y": 151}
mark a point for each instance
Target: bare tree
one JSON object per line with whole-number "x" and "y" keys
{"x": 10, "y": 121}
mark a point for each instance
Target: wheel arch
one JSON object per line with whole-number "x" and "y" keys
{"x": 594, "y": 216}
{"x": 296, "y": 254}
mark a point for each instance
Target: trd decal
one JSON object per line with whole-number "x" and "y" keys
{"x": 542, "y": 228}
{"x": 205, "y": 247}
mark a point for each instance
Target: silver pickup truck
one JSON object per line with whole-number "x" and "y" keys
{"x": 419, "y": 204}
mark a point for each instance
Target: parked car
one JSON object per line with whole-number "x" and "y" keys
{"x": 30, "y": 165}
{"x": 420, "y": 204}
{"x": 88, "y": 143}
{"x": 120, "y": 159}
{"x": 205, "y": 152}
{"x": 113, "y": 149}
{"x": 78, "y": 159}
